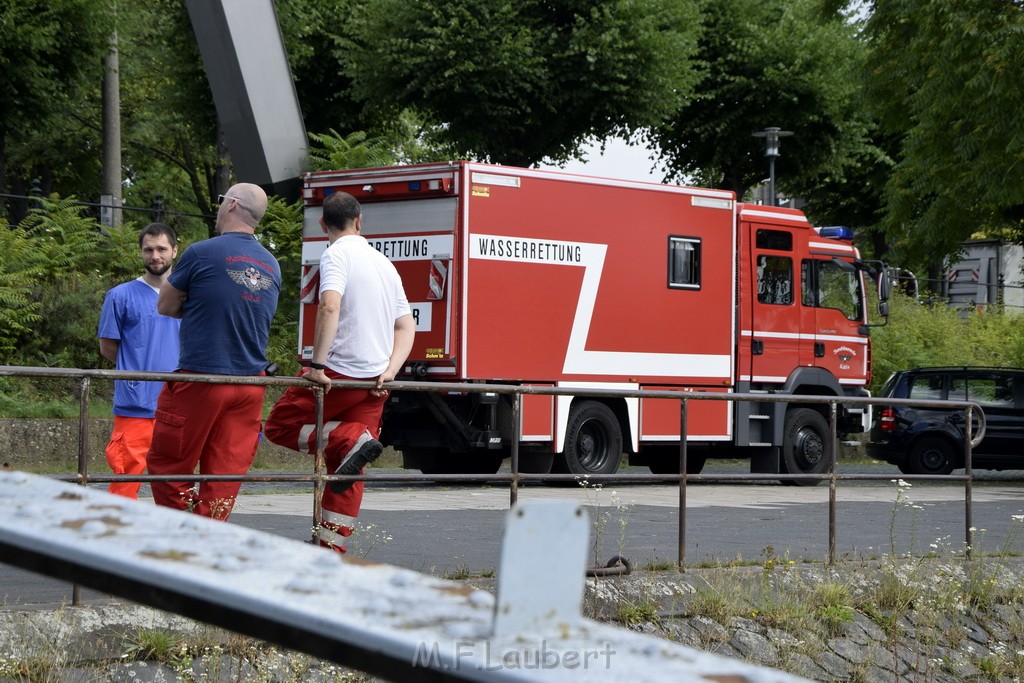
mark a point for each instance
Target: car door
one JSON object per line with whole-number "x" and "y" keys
{"x": 999, "y": 395}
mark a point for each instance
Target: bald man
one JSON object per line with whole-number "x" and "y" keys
{"x": 225, "y": 291}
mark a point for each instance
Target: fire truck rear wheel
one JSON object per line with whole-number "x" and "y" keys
{"x": 593, "y": 441}
{"x": 806, "y": 447}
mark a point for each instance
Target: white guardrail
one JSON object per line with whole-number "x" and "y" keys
{"x": 384, "y": 620}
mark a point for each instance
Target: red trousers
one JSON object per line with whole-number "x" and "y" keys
{"x": 214, "y": 426}
{"x": 126, "y": 452}
{"x": 347, "y": 414}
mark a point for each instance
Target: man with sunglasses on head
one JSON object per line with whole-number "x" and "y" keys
{"x": 225, "y": 291}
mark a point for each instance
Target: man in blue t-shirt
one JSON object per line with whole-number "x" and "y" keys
{"x": 133, "y": 336}
{"x": 225, "y": 291}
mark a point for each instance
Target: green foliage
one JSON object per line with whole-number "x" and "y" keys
{"x": 52, "y": 276}
{"x": 515, "y": 82}
{"x": 172, "y": 146}
{"x": 945, "y": 78}
{"x": 830, "y": 604}
{"x": 280, "y": 231}
{"x": 932, "y": 333}
{"x": 50, "y": 69}
{"x": 18, "y": 311}
{"x": 152, "y": 645}
{"x": 332, "y": 151}
{"x": 633, "y": 614}
{"x": 405, "y": 141}
{"x": 781, "y": 63}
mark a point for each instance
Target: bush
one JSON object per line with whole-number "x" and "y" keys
{"x": 931, "y": 333}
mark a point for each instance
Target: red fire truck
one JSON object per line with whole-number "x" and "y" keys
{"x": 547, "y": 279}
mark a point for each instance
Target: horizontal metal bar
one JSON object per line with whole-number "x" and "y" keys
{"x": 469, "y": 387}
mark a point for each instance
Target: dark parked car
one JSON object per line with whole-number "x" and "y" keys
{"x": 931, "y": 440}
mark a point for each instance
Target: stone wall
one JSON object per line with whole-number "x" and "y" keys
{"x": 51, "y": 445}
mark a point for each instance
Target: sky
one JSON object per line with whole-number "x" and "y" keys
{"x": 619, "y": 161}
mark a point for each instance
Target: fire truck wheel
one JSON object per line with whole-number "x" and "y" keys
{"x": 805, "y": 449}
{"x": 931, "y": 455}
{"x": 593, "y": 441}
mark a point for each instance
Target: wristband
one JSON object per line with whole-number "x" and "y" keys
{"x": 317, "y": 366}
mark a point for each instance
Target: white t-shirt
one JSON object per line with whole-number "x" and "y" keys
{"x": 372, "y": 299}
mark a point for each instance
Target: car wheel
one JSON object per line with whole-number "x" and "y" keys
{"x": 806, "y": 448}
{"x": 931, "y": 455}
{"x": 593, "y": 441}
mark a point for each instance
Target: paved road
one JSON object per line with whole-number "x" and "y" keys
{"x": 447, "y": 529}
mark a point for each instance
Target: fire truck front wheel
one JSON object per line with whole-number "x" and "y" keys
{"x": 806, "y": 448}
{"x": 593, "y": 441}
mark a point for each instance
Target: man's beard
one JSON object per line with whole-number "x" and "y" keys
{"x": 161, "y": 271}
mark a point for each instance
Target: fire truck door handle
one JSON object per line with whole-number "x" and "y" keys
{"x": 819, "y": 350}
{"x": 756, "y": 347}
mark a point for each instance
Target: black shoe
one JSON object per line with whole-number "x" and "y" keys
{"x": 365, "y": 450}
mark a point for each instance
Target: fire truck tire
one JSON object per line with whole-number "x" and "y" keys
{"x": 805, "y": 448}
{"x": 931, "y": 455}
{"x": 593, "y": 441}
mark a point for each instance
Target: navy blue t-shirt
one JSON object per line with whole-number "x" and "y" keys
{"x": 232, "y": 284}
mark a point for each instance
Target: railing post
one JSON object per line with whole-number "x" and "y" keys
{"x": 513, "y": 486}
{"x": 968, "y": 482}
{"x": 319, "y": 463}
{"x": 83, "y": 459}
{"x": 833, "y": 460}
{"x": 683, "y": 476}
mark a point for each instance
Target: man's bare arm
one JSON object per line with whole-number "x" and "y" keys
{"x": 108, "y": 349}
{"x": 171, "y": 301}
{"x": 327, "y": 313}
{"x": 405, "y": 332}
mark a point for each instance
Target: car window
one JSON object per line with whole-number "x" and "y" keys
{"x": 957, "y": 388}
{"x": 927, "y": 388}
{"x": 991, "y": 391}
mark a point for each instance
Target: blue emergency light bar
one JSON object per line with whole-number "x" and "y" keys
{"x": 837, "y": 232}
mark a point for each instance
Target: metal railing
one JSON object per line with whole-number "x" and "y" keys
{"x": 388, "y": 621}
{"x": 319, "y": 478}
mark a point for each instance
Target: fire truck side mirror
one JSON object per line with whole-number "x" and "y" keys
{"x": 884, "y": 285}
{"x": 884, "y": 291}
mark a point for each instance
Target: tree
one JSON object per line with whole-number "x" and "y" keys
{"x": 785, "y": 63}
{"x": 517, "y": 81}
{"x": 945, "y": 81}
{"x": 172, "y": 141}
{"x": 48, "y": 52}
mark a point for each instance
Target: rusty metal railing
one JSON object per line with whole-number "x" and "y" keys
{"x": 319, "y": 478}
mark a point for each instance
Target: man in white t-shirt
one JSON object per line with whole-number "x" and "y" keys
{"x": 364, "y": 330}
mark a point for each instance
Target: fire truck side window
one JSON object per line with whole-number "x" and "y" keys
{"x": 775, "y": 280}
{"x": 683, "y": 262}
{"x": 778, "y": 240}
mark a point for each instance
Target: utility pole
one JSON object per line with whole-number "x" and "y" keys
{"x": 111, "y": 197}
